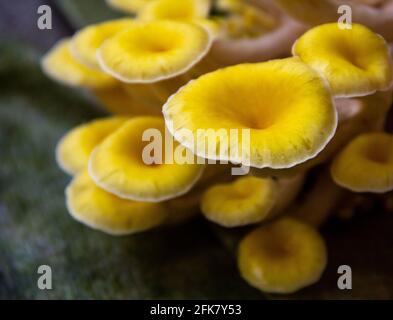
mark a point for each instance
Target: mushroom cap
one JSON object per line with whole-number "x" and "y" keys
{"x": 284, "y": 103}
{"x": 366, "y": 164}
{"x": 153, "y": 51}
{"x": 118, "y": 167}
{"x": 355, "y": 61}
{"x": 282, "y": 257}
{"x": 101, "y": 210}
{"x": 60, "y": 65}
{"x": 74, "y": 149}
{"x": 245, "y": 201}
{"x": 185, "y": 10}
{"x": 129, "y": 6}
{"x": 87, "y": 41}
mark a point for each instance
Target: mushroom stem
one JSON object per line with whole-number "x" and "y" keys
{"x": 118, "y": 100}
{"x": 318, "y": 204}
{"x": 288, "y": 190}
{"x": 186, "y": 207}
{"x": 272, "y": 44}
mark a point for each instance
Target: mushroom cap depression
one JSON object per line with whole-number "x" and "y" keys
{"x": 355, "y": 61}
{"x": 60, "y": 65}
{"x": 74, "y": 149}
{"x": 185, "y": 10}
{"x": 153, "y": 51}
{"x": 244, "y": 201}
{"x": 282, "y": 257}
{"x": 286, "y": 106}
{"x": 87, "y": 41}
{"x": 119, "y": 167}
{"x": 366, "y": 164}
{"x": 104, "y": 211}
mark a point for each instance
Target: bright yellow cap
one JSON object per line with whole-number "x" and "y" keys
{"x": 245, "y": 201}
{"x": 118, "y": 165}
{"x": 87, "y": 41}
{"x": 282, "y": 257}
{"x": 366, "y": 164}
{"x": 284, "y": 103}
{"x": 60, "y": 65}
{"x": 153, "y": 51}
{"x": 103, "y": 211}
{"x": 74, "y": 149}
{"x": 355, "y": 61}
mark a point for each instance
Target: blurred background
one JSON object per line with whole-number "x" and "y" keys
{"x": 190, "y": 261}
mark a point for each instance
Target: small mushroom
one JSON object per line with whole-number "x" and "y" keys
{"x": 184, "y": 10}
{"x": 153, "y": 51}
{"x": 86, "y": 42}
{"x": 118, "y": 166}
{"x": 366, "y": 164}
{"x": 74, "y": 149}
{"x": 282, "y": 257}
{"x": 60, "y": 65}
{"x": 249, "y": 199}
{"x": 285, "y": 105}
{"x": 355, "y": 61}
{"x": 245, "y": 201}
{"x": 103, "y": 211}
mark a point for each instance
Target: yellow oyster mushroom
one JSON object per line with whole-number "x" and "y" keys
{"x": 87, "y": 41}
{"x": 120, "y": 165}
{"x": 285, "y": 105}
{"x": 60, "y": 65}
{"x": 184, "y": 10}
{"x": 103, "y": 211}
{"x": 245, "y": 201}
{"x": 129, "y": 6}
{"x": 366, "y": 164}
{"x": 153, "y": 51}
{"x": 355, "y": 61}
{"x": 74, "y": 149}
{"x": 282, "y": 257}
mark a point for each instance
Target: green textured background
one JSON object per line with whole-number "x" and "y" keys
{"x": 189, "y": 261}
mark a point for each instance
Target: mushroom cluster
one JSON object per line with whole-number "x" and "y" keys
{"x": 315, "y": 118}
